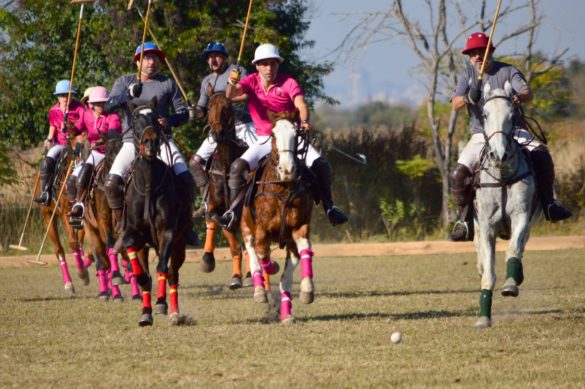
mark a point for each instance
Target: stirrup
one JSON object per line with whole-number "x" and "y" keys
{"x": 461, "y": 232}
{"x": 202, "y": 211}
{"x": 43, "y": 199}
{"x": 227, "y": 219}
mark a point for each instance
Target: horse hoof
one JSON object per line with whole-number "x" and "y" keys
{"x": 160, "y": 309}
{"x": 136, "y": 297}
{"x": 483, "y": 322}
{"x": 84, "y": 276}
{"x": 118, "y": 299}
{"x": 307, "y": 295}
{"x": 175, "y": 319}
{"x": 236, "y": 283}
{"x": 207, "y": 263}
{"x": 145, "y": 320}
{"x": 247, "y": 282}
{"x": 290, "y": 319}
{"x": 510, "y": 289}
{"x": 69, "y": 287}
{"x": 103, "y": 297}
{"x": 260, "y": 295}
{"x": 117, "y": 278}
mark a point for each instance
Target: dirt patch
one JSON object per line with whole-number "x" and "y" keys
{"x": 341, "y": 250}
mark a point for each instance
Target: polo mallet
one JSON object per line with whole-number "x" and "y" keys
{"x": 166, "y": 59}
{"x": 244, "y": 34}
{"x": 37, "y": 261}
{"x": 489, "y": 44}
{"x": 19, "y": 246}
{"x": 143, "y": 36}
{"x": 359, "y": 157}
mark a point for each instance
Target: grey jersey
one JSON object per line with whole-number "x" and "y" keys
{"x": 163, "y": 88}
{"x": 219, "y": 84}
{"x": 496, "y": 77}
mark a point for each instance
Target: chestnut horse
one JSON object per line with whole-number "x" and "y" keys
{"x": 152, "y": 217}
{"x": 280, "y": 211}
{"x": 222, "y": 126}
{"x": 99, "y": 227}
{"x": 63, "y": 168}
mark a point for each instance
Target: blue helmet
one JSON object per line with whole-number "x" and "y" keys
{"x": 149, "y": 47}
{"x": 62, "y": 88}
{"x": 214, "y": 47}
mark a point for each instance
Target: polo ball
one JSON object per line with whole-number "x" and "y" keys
{"x": 396, "y": 337}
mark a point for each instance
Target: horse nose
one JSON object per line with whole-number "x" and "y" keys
{"x": 505, "y": 156}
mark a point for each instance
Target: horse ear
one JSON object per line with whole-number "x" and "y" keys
{"x": 209, "y": 89}
{"x": 486, "y": 90}
{"x": 508, "y": 89}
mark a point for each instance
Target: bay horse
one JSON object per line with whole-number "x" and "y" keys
{"x": 99, "y": 226}
{"x": 222, "y": 129}
{"x": 506, "y": 200}
{"x": 279, "y": 209}
{"x": 62, "y": 169}
{"x": 152, "y": 218}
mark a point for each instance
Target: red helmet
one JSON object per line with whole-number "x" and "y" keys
{"x": 478, "y": 40}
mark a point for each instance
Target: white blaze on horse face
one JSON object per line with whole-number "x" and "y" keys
{"x": 498, "y": 126}
{"x": 284, "y": 133}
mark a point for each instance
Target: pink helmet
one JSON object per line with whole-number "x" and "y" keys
{"x": 478, "y": 40}
{"x": 98, "y": 94}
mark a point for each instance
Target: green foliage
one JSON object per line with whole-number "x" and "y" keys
{"x": 415, "y": 167}
{"x": 7, "y": 173}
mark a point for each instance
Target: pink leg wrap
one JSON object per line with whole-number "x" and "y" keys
{"x": 86, "y": 260}
{"x": 268, "y": 266}
{"x": 161, "y": 291}
{"x": 65, "y": 270}
{"x": 173, "y": 291}
{"x": 113, "y": 259}
{"x": 78, "y": 260}
{"x": 258, "y": 279}
{"x": 115, "y": 289}
{"x": 307, "y": 263}
{"x": 102, "y": 281}
{"x": 285, "y": 305}
{"x": 134, "y": 287}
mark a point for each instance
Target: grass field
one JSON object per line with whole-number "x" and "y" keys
{"x": 342, "y": 340}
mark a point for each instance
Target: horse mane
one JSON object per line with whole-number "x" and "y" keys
{"x": 292, "y": 116}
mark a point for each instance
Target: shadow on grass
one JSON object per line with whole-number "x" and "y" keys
{"x": 383, "y": 293}
{"x": 54, "y": 298}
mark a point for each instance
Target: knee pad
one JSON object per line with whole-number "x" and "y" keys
{"x": 85, "y": 175}
{"x": 238, "y": 173}
{"x": 460, "y": 178}
{"x": 114, "y": 188}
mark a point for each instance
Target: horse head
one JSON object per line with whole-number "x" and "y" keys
{"x": 498, "y": 112}
{"x": 284, "y": 144}
{"x": 220, "y": 115}
{"x": 147, "y": 131}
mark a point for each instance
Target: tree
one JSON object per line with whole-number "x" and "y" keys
{"x": 437, "y": 46}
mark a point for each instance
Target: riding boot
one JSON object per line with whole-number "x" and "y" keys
{"x": 114, "y": 190}
{"x": 545, "y": 177}
{"x": 461, "y": 192}
{"x": 322, "y": 170}
{"x": 196, "y": 166}
{"x": 71, "y": 188}
{"x": 78, "y": 209}
{"x": 237, "y": 183}
{"x": 186, "y": 189}
{"x": 47, "y": 172}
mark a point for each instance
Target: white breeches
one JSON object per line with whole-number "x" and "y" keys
{"x": 264, "y": 146}
{"x": 55, "y": 151}
{"x": 127, "y": 153}
{"x": 244, "y": 131}
{"x": 94, "y": 158}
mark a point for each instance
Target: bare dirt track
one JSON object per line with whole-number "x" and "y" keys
{"x": 543, "y": 243}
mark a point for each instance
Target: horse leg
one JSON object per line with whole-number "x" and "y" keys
{"x": 255, "y": 268}
{"x": 53, "y": 235}
{"x": 114, "y": 266}
{"x": 208, "y": 260}
{"x": 286, "y": 281}
{"x": 165, "y": 239}
{"x": 87, "y": 259}
{"x": 82, "y": 272}
{"x": 102, "y": 277}
{"x": 177, "y": 260}
{"x": 247, "y": 281}
{"x": 304, "y": 251}
{"x": 129, "y": 278}
{"x": 487, "y": 252}
{"x": 139, "y": 260}
{"x": 514, "y": 272}
{"x": 161, "y": 306}
{"x": 236, "y": 253}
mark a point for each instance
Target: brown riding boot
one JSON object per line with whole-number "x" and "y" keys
{"x": 197, "y": 168}
{"x": 462, "y": 194}
{"x": 544, "y": 169}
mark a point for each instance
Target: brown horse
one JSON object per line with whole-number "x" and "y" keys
{"x": 63, "y": 169}
{"x": 99, "y": 227}
{"x": 280, "y": 211}
{"x": 222, "y": 126}
{"x": 152, "y": 217}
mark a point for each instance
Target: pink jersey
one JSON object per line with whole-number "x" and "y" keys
{"x": 279, "y": 98}
{"x": 56, "y": 117}
{"x": 100, "y": 125}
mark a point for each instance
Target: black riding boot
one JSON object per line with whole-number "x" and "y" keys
{"x": 237, "y": 184}
{"x": 322, "y": 169}
{"x": 78, "y": 209}
{"x": 186, "y": 189}
{"x": 71, "y": 188}
{"x": 196, "y": 165}
{"x": 47, "y": 172}
{"x": 461, "y": 192}
{"x": 545, "y": 177}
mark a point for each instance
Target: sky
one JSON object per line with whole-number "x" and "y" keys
{"x": 385, "y": 70}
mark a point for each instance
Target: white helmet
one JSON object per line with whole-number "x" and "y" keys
{"x": 266, "y": 51}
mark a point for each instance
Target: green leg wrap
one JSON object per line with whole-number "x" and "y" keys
{"x": 514, "y": 270}
{"x": 485, "y": 303}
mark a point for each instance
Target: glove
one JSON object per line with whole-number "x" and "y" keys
{"x": 134, "y": 90}
{"x": 234, "y": 77}
{"x": 474, "y": 93}
{"x": 48, "y": 142}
